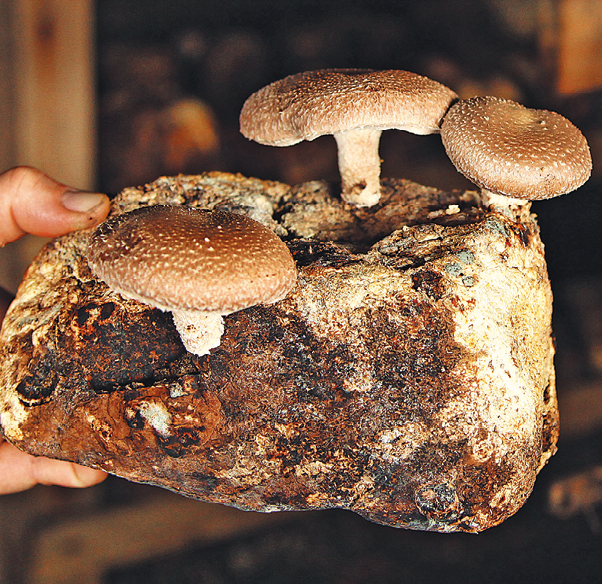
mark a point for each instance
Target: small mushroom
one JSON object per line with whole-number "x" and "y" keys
{"x": 355, "y": 105}
{"x": 510, "y": 150}
{"x": 198, "y": 264}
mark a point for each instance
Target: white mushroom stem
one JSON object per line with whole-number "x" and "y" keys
{"x": 503, "y": 203}
{"x": 359, "y": 165}
{"x": 200, "y": 331}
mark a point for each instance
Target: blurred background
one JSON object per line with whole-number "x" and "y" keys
{"x": 107, "y": 94}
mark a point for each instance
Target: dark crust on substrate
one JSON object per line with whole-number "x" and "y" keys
{"x": 407, "y": 377}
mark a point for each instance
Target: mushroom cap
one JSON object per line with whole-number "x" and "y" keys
{"x": 310, "y": 104}
{"x": 181, "y": 258}
{"x": 509, "y": 149}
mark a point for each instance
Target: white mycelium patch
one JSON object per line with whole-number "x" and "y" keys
{"x": 157, "y": 415}
{"x": 493, "y": 324}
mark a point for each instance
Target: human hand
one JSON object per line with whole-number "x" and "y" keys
{"x": 31, "y": 202}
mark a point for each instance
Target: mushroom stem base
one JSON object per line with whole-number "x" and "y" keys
{"x": 503, "y": 203}
{"x": 200, "y": 331}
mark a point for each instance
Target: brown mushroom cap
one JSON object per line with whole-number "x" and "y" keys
{"x": 310, "y": 104}
{"x": 509, "y": 149}
{"x": 180, "y": 258}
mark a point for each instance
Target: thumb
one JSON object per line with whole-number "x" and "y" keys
{"x": 32, "y": 202}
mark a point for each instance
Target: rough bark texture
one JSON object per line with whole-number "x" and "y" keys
{"x": 408, "y": 376}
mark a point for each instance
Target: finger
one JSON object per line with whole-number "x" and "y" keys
{"x": 32, "y": 202}
{"x": 65, "y": 474}
{"x": 20, "y": 471}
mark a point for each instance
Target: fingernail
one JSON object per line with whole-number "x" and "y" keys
{"x": 86, "y": 477}
{"x": 82, "y": 201}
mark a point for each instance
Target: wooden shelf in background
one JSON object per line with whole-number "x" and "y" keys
{"x": 50, "y": 94}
